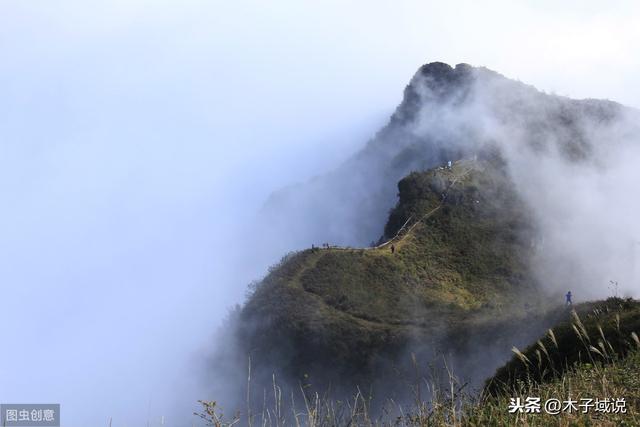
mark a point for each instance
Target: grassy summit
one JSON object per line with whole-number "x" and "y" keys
{"x": 461, "y": 240}
{"x": 462, "y": 249}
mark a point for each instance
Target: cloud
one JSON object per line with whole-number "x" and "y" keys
{"x": 138, "y": 138}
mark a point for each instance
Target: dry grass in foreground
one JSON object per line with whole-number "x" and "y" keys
{"x": 587, "y": 390}
{"x": 616, "y": 380}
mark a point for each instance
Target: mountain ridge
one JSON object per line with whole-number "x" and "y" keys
{"x": 349, "y": 204}
{"x": 440, "y": 187}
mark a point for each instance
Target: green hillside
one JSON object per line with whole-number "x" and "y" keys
{"x": 456, "y": 283}
{"x": 461, "y": 242}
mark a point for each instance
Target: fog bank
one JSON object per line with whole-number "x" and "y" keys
{"x": 139, "y": 141}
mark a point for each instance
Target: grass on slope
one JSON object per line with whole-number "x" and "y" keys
{"x": 613, "y": 374}
{"x": 593, "y": 354}
{"x": 593, "y": 333}
{"x": 619, "y": 379}
{"x": 469, "y": 254}
{"x": 461, "y": 262}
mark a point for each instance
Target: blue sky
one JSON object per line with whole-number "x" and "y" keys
{"x": 137, "y": 138}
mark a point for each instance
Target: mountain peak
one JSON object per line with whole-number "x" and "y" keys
{"x": 437, "y": 82}
{"x": 445, "y": 71}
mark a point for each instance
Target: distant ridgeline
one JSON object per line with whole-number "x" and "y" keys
{"x": 450, "y": 275}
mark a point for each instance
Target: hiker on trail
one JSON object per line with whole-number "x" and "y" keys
{"x": 393, "y": 249}
{"x": 568, "y": 297}
{"x": 449, "y": 164}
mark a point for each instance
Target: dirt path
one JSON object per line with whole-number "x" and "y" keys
{"x": 404, "y": 231}
{"x": 311, "y": 263}
{"x": 314, "y": 257}
{"x": 400, "y": 235}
